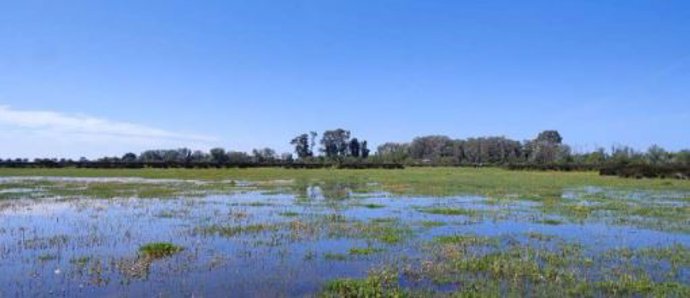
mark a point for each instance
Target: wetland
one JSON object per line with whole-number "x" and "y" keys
{"x": 333, "y": 233}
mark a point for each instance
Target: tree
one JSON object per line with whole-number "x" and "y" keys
{"x": 237, "y": 157}
{"x": 129, "y": 157}
{"x": 656, "y": 155}
{"x": 264, "y": 155}
{"x": 151, "y": 156}
{"x": 546, "y": 148}
{"x": 682, "y": 157}
{"x": 354, "y": 147}
{"x": 431, "y": 148}
{"x": 393, "y": 152}
{"x": 365, "y": 149}
{"x": 218, "y": 155}
{"x": 549, "y": 136}
{"x": 302, "y": 146}
{"x": 335, "y": 142}
{"x": 312, "y": 144}
{"x": 199, "y": 156}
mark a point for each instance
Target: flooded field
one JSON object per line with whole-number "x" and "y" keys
{"x": 100, "y": 236}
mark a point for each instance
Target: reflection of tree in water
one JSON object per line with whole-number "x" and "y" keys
{"x": 328, "y": 190}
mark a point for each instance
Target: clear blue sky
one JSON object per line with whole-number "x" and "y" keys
{"x": 81, "y": 77}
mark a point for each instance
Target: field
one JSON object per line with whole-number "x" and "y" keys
{"x": 355, "y": 233}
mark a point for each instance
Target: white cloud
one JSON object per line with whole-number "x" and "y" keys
{"x": 25, "y": 133}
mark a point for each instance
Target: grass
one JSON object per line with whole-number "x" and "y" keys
{"x": 230, "y": 231}
{"x": 432, "y": 224}
{"x": 335, "y": 257}
{"x": 528, "y": 264}
{"x": 550, "y": 221}
{"x": 380, "y": 284}
{"x": 157, "y": 250}
{"x": 466, "y": 240}
{"x": 417, "y": 181}
{"x": 363, "y": 251}
{"x": 372, "y": 206}
{"x": 449, "y": 211}
{"x": 289, "y": 214}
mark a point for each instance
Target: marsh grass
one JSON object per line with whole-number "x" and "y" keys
{"x": 230, "y": 231}
{"x": 550, "y": 221}
{"x": 378, "y": 284}
{"x": 157, "y": 250}
{"x": 411, "y": 181}
{"x": 335, "y": 256}
{"x": 432, "y": 224}
{"x": 467, "y": 240}
{"x": 372, "y": 206}
{"x": 521, "y": 264}
{"x": 363, "y": 251}
{"x": 449, "y": 211}
{"x": 289, "y": 214}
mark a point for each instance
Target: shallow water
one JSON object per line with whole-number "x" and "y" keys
{"x": 254, "y": 242}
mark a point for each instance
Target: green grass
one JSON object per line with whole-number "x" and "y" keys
{"x": 432, "y": 224}
{"x": 449, "y": 211}
{"x": 363, "y": 251}
{"x": 372, "y": 206}
{"x": 550, "y": 221}
{"x": 380, "y": 284}
{"x": 157, "y": 250}
{"x": 289, "y": 214}
{"x": 466, "y": 240}
{"x": 335, "y": 257}
{"x": 417, "y": 181}
{"x": 230, "y": 231}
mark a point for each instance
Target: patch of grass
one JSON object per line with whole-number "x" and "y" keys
{"x": 229, "y": 231}
{"x": 385, "y": 231}
{"x": 466, "y": 240}
{"x": 363, "y": 251}
{"x": 676, "y": 255}
{"x": 80, "y": 261}
{"x": 539, "y": 236}
{"x": 432, "y": 224}
{"x": 157, "y": 250}
{"x": 384, "y": 220}
{"x": 47, "y": 257}
{"x": 372, "y": 206}
{"x": 449, "y": 211}
{"x": 257, "y": 204}
{"x": 382, "y": 284}
{"x": 335, "y": 257}
{"x": 550, "y": 221}
{"x": 289, "y": 214}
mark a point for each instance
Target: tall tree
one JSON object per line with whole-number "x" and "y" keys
{"x": 547, "y": 149}
{"x": 393, "y": 152}
{"x": 302, "y": 146}
{"x": 335, "y": 142}
{"x": 218, "y": 155}
{"x": 365, "y": 149}
{"x": 657, "y": 155}
{"x": 354, "y": 147}
{"x": 129, "y": 157}
{"x": 264, "y": 155}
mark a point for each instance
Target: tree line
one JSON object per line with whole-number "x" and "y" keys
{"x": 339, "y": 148}
{"x": 336, "y": 148}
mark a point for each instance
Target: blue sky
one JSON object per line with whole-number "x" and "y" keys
{"x": 88, "y": 78}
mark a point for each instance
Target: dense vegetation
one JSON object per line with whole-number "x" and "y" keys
{"x": 338, "y": 148}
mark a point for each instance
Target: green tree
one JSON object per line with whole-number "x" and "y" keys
{"x": 335, "y": 142}
{"x": 354, "y": 147}
{"x": 302, "y": 146}
{"x": 218, "y": 155}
